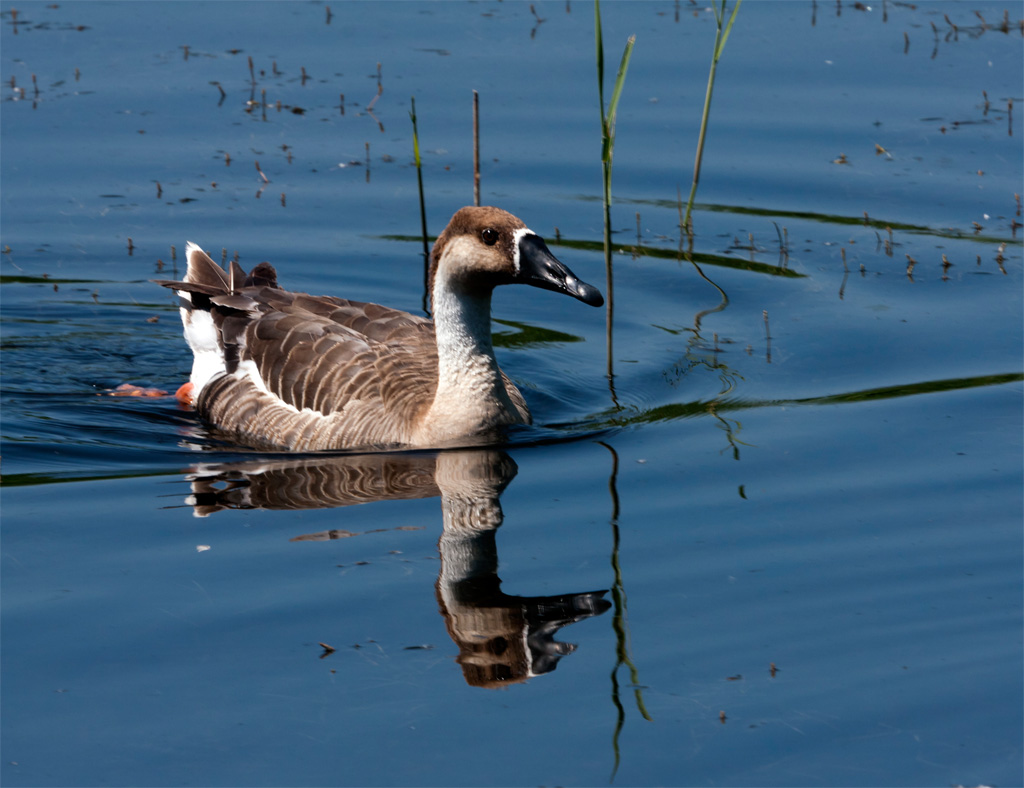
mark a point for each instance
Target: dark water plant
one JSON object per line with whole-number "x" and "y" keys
{"x": 423, "y": 207}
{"x": 620, "y": 624}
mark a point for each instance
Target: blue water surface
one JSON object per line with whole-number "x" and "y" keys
{"x": 779, "y": 544}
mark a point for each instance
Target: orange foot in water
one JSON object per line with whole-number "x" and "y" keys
{"x": 184, "y": 394}
{"x": 131, "y": 390}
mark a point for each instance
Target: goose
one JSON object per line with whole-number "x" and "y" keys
{"x": 278, "y": 369}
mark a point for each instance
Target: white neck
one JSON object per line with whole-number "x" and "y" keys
{"x": 463, "y": 324}
{"x": 470, "y": 394}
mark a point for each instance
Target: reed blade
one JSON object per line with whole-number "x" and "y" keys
{"x": 620, "y": 80}
{"x": 721, "y": 36}
{"x": 423, "y": 209}
{"x": 608, "y": 115}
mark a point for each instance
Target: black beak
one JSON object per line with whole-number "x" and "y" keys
{"x": 540, "y": 268}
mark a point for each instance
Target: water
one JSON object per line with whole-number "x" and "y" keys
{"x": 798, "y": 506}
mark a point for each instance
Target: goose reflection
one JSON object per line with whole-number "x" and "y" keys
{"x": 502, "y": 638}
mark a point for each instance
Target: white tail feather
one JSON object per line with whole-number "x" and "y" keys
{"x": 200, "y": 333}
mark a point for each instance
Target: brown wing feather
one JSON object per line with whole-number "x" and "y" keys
{"x": 335, "y": 372}
{"x": 337, "y": 356}
{"x": 518, "y": 400}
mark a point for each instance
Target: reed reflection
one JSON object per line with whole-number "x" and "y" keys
{"x": 502, "y": 638}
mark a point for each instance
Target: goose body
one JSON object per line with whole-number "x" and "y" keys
{"x": 302, "y": 372}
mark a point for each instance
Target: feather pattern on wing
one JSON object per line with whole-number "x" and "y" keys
{"x": 312, "y": 372}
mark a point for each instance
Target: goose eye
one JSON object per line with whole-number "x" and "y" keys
{"x": 489, "y": 236}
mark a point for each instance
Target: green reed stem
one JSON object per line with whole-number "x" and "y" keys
{"x": 721, "y": 36}
{"x": 607, "y": 150}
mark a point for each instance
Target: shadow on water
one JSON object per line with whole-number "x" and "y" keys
{"x": 502, "y": 639}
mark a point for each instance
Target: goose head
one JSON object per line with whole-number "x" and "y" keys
{"x": 483, "y": 247}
